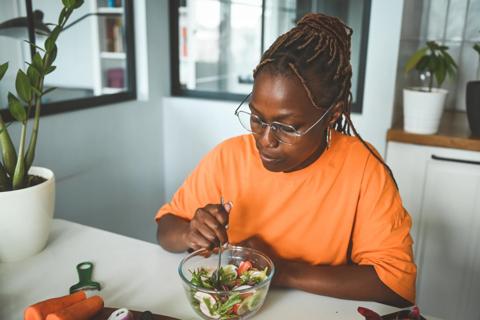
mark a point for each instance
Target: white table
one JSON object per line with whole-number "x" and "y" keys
{"x": 137, "y": 275}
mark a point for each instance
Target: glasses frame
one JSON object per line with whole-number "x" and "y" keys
{"x": 296, "y": 133}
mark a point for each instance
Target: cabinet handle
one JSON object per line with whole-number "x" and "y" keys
{"x": 434, "y": 157}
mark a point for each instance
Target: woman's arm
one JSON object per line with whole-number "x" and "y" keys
{"x": 171, "y": 231}
{"x": 353, "y": 282}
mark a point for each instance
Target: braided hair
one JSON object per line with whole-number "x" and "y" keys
{"x": 317, "y": 49}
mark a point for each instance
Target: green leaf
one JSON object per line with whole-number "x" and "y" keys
{"x": 33, "y": 75}
{"x": 16, "y": 108}
{"x": 61, "y": 17}
{"x": 49, "y": 43}
{"x": 476, "y": 47}
{"x": 414, "y": 59}
{"x": 37, "y": 62}
{"x": 432, "y": 64}
{"x": 34, "y": 45}
{"x": 3, "y": 69}
{"x": 50, "y": 69}
{"x": 78, "y": 4}
{"x": 49, "y": 58}
{"x": 9, "y": 154}
{"x": 5, "y": 128}
{"x": 68, "y": 3}
{"x": 4, "y": 182}
{"x": 441, "y": 72}
{"x": 227, "y": 305}
{"x": 37, "y": 92}
{"x": 48, "y": 90}
{"x": 67, "y": 16}
{"x": 449, "y": 59}
{"x": 54, "y": 35}
{"x": 23, "y": 86}
{"x": 422, "y": 64}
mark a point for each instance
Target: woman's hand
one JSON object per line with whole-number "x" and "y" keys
{"x": 208, "y": 226}
{"x": 257, "y": 242}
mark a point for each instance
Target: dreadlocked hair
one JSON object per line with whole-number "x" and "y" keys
{"x": 317, "y": 49}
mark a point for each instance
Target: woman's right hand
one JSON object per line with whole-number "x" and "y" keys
{"x": 208, "y": 226}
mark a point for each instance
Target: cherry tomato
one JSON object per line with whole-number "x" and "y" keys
{"x": 244, "y": 266}
{"x": 235, "y": 308}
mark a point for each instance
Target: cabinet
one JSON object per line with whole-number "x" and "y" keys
{"x": 440, "y": 187}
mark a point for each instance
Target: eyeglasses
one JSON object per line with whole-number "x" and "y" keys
{"x": 284, "y": 133}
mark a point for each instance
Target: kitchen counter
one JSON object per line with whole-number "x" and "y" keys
{"x": 453, "y": 133}
{"x": 137, "y": 275}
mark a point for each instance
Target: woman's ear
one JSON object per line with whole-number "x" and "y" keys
{"x": 336, "y": 113}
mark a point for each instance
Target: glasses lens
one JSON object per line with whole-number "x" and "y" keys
{"x": 284, "y": 133}
{"x": 244, "y": 118}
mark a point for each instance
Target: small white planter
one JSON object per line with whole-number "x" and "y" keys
{"x": 26, "y": 217}
{"x": 422, "y": 110}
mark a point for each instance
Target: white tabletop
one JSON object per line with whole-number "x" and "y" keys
{"x": 137, "y": 275}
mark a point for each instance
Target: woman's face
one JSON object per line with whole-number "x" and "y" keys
{"x": 283, "y": 99}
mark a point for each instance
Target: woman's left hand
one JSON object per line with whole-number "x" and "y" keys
{"x": 256, "y": 242}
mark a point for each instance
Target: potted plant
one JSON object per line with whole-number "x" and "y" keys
{"x": 27, "y": 194}
{"x": 423, "y": 106}
{"x": 473, "y": 99}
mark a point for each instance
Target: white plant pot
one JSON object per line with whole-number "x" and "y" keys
{"x": 422, "y": 110}
{"x": 26, "y": 217}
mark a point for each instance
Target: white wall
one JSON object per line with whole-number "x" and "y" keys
{"x": 194, "y": 126}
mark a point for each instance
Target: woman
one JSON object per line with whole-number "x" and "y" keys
{"x": 321, "y": 203}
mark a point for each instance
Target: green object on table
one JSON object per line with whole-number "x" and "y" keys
{"x": 85, "y": 282}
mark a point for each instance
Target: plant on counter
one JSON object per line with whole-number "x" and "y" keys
{"x": 423, "y": 106}
{"x": 434, "y": 59}
{"x": 29, "y": 86}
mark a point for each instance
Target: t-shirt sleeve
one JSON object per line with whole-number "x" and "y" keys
{"x": 199, "y": 189}
{"x": 381, "y": 236}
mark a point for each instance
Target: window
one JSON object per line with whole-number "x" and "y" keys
{"x": 217, "y": 43}
{"x": 95, "y": 62}
{"x": 455, "y": 24}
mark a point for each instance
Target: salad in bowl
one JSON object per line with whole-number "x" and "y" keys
{"x": 235, "y": 291}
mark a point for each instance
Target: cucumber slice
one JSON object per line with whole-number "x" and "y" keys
{"x": 258, "y": 276}
{"x": 230, "y": 271}
{"x": 254, "y": 301}
{"x": 250, "y": 303}
{"x": 243, "y": 307}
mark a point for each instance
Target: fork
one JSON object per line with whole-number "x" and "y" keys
{"x": 219, "y": 252}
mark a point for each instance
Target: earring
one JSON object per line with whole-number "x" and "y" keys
{"x": 329, "y": 136}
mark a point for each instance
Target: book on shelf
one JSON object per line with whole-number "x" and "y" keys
{"x": 114, "y": 3}
{"x": 114, "y": 35}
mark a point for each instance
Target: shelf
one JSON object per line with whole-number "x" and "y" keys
{"x": 453, "y": 133}
{"x": 109, "y": 10}
{"x": 113, "y": 55}
{"x": 108, "y": 90}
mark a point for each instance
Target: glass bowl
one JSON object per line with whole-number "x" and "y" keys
{"x": 242, "y": 300}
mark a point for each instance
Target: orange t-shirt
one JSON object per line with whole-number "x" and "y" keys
{"x": 310, "y": 214}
